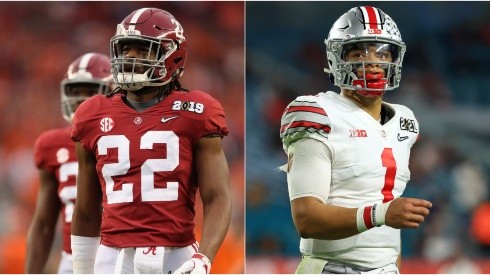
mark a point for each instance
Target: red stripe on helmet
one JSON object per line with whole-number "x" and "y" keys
{"x": 373, "y": 19}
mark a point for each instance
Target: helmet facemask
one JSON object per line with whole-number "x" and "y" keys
{"x": 74, "y": 92}
{"x": 360, "y": 29}
{"x": 148, "y": 69}
{"x": 358, "y": 72}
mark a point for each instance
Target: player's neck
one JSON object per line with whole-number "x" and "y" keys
{"x": 371, "y": 105}
{"x": 144, "y": 94}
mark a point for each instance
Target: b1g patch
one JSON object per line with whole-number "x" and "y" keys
{"x": 190, "y": 106}
{"x": 408, "y": 125}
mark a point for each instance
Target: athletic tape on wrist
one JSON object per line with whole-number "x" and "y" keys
{"x": 363, "y": 218}
{"x": 371, "y": 216}
{"x": 381, "y": 210}
{"x": 83, "y": 253}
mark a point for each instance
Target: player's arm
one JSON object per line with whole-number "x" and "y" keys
{"x": 309, "y": 179}
{"x": 43, "y": 226}
{"x": 87, "y": 215}
{"x": 213, "y": 176}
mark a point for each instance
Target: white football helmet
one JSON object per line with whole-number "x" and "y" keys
{"x": 360, "y": 28}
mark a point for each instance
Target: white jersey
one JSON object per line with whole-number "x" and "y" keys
{"x": 369, "y": 165}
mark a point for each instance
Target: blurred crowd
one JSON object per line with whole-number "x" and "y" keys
{"x": 445, "y": 82}
{"x": 40, "y": 39}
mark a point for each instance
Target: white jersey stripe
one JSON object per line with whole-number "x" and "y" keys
{"x": 305, "y": 116}
{"x": 310, "y": 103}
{"x": 305, "y": 101}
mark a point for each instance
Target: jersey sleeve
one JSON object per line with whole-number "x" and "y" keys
{"x": 310, "y": 170}
{"x": 83, "y": 114}
{"x": 40, "y": 153}
{"x": 304, "y": 118}
{"x": 46, "y": 149}
{"x": 214, "y": 122}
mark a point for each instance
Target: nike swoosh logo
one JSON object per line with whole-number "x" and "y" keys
{"x": 168, "y": 118}
{"x": 400, "y": 138}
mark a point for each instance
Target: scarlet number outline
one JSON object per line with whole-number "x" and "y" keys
{"x": 390, "y": 163}
{"x": 148, "y": 168}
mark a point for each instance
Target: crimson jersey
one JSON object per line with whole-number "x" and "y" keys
{"x": 145, "y": 164}
{"x": 54, "y": 152}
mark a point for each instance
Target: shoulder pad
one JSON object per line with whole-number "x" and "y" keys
{"x": 302, "y": 118}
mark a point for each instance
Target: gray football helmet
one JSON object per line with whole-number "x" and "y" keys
{"x": 360, "y": 28}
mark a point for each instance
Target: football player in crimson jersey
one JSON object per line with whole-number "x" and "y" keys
{"x": 56, "y": 160}
{"x": 348, "y": 153}
{"x": 144, "y": 152}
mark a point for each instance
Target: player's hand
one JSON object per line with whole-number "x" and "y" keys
{"x": 407, "y": 212}
{"x": 198, "y": 264}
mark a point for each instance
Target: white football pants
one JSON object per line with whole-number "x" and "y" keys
{"x": 141, "y": 260}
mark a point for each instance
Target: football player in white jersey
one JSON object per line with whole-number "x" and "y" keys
{"x": 348, "y": 153}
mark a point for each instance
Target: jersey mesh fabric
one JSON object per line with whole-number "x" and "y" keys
{"x": 151, "y": 153}
{"x": 369, "y": 165}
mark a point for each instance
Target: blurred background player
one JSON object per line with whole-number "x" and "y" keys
{"x": 348, "y": 154}
{"x": 55, "y": 157}
{"x": 144, "y": 151}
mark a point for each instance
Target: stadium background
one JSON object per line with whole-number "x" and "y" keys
{"x": 40, "y": 39}
{"x": 445, "y": 81}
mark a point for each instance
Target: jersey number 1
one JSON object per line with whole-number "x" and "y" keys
{"x": 389, "y": 162}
